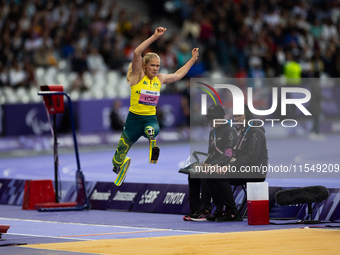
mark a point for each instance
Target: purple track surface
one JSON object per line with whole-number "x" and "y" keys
{"x": 97, "y": 166}
{"x": 35, "y": 227}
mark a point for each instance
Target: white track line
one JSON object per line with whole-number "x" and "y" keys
{"x": 57, "y": 237}
{"x": 108, "y": 226}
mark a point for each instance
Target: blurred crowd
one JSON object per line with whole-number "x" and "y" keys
{"x": 258, "y": 38}
{"x": 237, "y": 38}
{"x": 92, "y": 35}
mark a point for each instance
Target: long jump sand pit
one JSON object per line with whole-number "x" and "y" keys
{"x": 291, "y": 241}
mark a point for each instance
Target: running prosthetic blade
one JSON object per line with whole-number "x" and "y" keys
{"x": 154, "y": 152}
{"x": 155, "y": 155}
{"x": 123, "y": 171}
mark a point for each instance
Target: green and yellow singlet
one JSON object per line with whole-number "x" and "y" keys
{"x": 144, "y": 96}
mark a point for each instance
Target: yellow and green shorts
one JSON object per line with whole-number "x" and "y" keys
{"x": 137, "y": 126}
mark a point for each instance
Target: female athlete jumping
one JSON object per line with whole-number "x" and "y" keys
{"x": 145, "y": 83}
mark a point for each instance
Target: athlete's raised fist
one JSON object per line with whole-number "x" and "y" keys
{"x": 160, "y": 31}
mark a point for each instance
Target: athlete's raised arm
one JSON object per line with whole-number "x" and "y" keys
{"x": 137, "y": 54}
{"x": 180, "y": 73}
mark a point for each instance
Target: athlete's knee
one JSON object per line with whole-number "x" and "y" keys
{"x": 124, "y": 142}
{"x": 150, "y": 132}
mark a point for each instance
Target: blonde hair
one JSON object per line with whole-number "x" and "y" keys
{"x": 145, "y": 60}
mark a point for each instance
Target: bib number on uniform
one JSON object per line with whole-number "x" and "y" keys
{"x": 149, "y": 97}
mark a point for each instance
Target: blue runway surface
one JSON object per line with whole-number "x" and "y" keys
{"x": 97, "y": 166}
